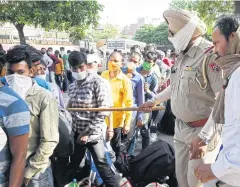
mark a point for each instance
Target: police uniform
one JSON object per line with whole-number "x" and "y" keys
{"x": 194, "y": 81}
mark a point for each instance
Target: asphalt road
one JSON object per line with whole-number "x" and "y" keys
{"x": 162, "y": 136}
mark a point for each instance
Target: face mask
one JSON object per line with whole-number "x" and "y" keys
{"x": 183, "y": 37}
{"x": 146, "y": 66}
{"x": 159, "y": 62}
{"x": 41, "y": 77}
{"x": 92, "y": 71}
{"x": 43, "y": 53}
{"x": 3, "y": 139}
{"x": 124, "y": 69}
{"x": 19, "y": 83}
{"x": 79, "y": 76}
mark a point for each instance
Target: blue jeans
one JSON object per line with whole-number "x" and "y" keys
{"x": 44, "y": 179}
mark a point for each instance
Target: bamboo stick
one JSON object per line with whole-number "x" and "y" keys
{"x": 111, "y": 109}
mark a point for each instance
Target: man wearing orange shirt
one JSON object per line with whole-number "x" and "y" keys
{"x": 59, "y": 70}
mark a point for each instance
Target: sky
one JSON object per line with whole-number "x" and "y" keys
{"x": 125, "y": 12}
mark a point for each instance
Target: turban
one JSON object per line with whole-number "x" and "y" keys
{"x": 177, "y": 19}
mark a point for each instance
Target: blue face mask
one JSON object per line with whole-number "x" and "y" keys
{"x": 124, "y": 69}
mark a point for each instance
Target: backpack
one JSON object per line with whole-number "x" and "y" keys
{"x": 66, "y": 142}
{"x": 122, "y": 164}
{"x": 153, "y": 163}
{"x": 167, "y": 123}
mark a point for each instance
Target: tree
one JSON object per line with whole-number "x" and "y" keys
{"x": 106, "y": 32}
{"x": 151, "y": 34}
{"x": 145, "y": 33}
{"x": 160, "y": 35}
{"x": 66, "y": 16}
{"x": 208, "y": 11}
{"x": 182, "y": 4}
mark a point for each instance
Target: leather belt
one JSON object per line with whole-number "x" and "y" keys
{"x": 199, "y": 123}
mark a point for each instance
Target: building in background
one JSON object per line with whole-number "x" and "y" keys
{"x": 130, "y": 30}
{"x": 36, "y": 37}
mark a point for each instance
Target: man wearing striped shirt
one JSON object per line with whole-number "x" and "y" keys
{"x": 14, "y": 120}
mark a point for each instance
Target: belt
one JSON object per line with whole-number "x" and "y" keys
{"x": 199, "y": 123}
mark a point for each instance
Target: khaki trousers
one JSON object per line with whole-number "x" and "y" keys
{"x": 183, "y": 137}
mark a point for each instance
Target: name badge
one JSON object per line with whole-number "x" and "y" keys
{"x": 189, "y": 68}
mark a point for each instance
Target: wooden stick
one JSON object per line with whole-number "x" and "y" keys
{"x": 111, "y": 109}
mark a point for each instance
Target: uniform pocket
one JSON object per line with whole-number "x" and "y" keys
{"x": 188, "y": 80}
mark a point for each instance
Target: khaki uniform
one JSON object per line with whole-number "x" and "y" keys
{"x": 191, "y": 101}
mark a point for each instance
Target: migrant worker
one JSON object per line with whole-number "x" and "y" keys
{"x": 122, "y": 95}
{"x": 148, "y": 72}
{"x": 92, "y": 65}
{"x": 44, "y": 135}
{"x": 138, "y": 99}
{"x": 40, "y": 72}
{"x": 195, "y": 79}
{"x": 226, "y": 39}
{"x": 89, "y": 91}
{"x": 14, "y": 131}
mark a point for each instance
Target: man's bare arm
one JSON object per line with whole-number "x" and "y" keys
{"x": 18, "y": 147}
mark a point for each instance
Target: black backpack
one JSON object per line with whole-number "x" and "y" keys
{"x": 167, "y": 123}
{"x": 153, "y": 163}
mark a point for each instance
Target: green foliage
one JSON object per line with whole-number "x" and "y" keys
{"x": 182, "y": 4}
{"x": 160, "y": 35}
{"x": 69, "y": 16}
{"x": 151, "y": 34}
{"x": 107, "y": 32}
{"x": 208, "y": 11}
{"x": 145, "y": 33}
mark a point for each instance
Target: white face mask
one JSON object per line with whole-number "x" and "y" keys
{"x": 79, "y": 76}
{"x": 92, "y": 71}
{"x": 159, "y": 62}
{"x": 41, "y": 77}
{"x": 3, "y": 139}
{"x": 183, "y": 37}
{"x": 19, "y": 83}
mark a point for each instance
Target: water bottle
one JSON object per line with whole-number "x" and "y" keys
{"x": 73, "y": 183}
{"x": 153, "y": 133}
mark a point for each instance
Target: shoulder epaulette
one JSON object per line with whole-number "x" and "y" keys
{"x": 209, "y": 50}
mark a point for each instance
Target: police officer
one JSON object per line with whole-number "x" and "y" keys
{"x": 195, "y": 80}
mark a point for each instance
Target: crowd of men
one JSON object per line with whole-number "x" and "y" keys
{"x": 31, "y": 102}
